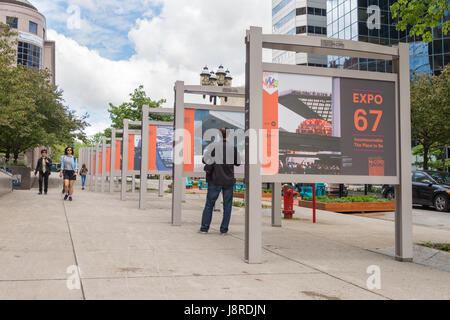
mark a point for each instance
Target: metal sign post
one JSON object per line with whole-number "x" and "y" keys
{"x": 366, "y": 134}
{"x": 145, "y": 152}
{"x": 185, "y": 132}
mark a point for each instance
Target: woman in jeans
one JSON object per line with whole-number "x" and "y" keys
{"x": 69, "y": 170}
{"x": 83, "y": 173}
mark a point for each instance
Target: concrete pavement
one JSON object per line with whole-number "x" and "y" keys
{"x": 429, "y": 217}
{"x": 126, "y": 253}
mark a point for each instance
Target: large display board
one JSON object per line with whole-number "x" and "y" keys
{"x": 197, "y": 122}
{"x": 160, "y": 152}
{"x": 319, "y": 125}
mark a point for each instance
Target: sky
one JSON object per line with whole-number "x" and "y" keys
{"x": 107, "y": 48}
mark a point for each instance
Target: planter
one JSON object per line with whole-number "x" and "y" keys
{"x": 350, "y": 206}
{"x": 242, "y": 195}
{"x": 239, "y": 195}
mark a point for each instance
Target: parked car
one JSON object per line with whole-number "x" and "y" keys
{"x": 56, "y": 167}
{"x": 430, "y": 188}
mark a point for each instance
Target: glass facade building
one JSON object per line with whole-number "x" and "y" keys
{"x": 348, "y": 19}
{"x": 29, "y": 55}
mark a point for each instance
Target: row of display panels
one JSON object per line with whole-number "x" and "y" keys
{"x": 314, "y": 125}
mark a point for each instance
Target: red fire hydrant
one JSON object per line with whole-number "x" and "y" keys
{"x": 288, "y": 203}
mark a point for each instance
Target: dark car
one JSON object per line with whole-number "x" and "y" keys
{"x": 430, "y": 188}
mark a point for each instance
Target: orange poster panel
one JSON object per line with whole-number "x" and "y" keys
{"x": 108, "y": 159}
{"x": 118, "y": 155}
{"x": 100, "y": 163}
{"x": 189, "y": 120}
{"x": 270, "y": 125}
{"x": 131, "y": 152}
{"x": 95, "y": 162}
{"x": 152, "y": 148}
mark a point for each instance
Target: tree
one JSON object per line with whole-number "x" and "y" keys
{"x": 32, "y": 112}
{"x": 435, "y": 161}
{"x": 421, "y": 16}
{"x": 132, "y": 110}
{"x": 430, "y": 111}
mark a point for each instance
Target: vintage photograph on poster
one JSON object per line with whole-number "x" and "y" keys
{"x": 164, "y": 148}
{"x": 205, "y": 120}
{"x": 331, "y": 126}
{"x": 307, "y": 142}
{"x": 163, "y": 152}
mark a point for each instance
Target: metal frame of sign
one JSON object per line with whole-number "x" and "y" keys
{"x": 256, "y": 41}
{"x": 179, "y": 175}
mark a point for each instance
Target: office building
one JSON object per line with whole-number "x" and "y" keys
{"x": 348, "y": 19}
{"x": 301, "y": 17}
{"x": 33, "y": 49}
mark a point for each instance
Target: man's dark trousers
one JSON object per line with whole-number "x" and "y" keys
{"x": 43, "y": 177}
{"x": 213, "y": 194}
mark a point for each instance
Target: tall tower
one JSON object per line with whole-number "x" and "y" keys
{"x": 302, "y": 17}
{"x": 33, "y": 50}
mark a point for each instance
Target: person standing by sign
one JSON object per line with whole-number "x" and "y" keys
{"x": 69, "y": 170}
{"x": 219, "y": 167}
{"x": 83, "y": 173}
{"x": 43, "y": 166}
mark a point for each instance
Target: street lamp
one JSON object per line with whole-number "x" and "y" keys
{"x": 221, "y": 78}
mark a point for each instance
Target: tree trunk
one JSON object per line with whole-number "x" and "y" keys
{"x": 426, "y": 149}
{"x": 8, "y": 154}
{"x": 16, "y": 156}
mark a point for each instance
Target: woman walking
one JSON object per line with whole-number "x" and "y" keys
{"x": 69, "y": 170}
{"x": 83, "y": 173}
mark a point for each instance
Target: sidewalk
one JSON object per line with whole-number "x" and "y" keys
{"x": 126, "y": 253}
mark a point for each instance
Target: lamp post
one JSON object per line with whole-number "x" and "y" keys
{"x": 221, "y": 78}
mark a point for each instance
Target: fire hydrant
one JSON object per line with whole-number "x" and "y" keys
{"x": 288, "y": 203}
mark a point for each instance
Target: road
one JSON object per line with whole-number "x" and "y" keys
{"x": 428, "y": 217}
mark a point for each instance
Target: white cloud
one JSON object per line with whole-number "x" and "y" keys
{"x": 172, "y": 46}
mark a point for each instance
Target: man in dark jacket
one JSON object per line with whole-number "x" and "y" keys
{"x": 44, "y": 167}
{"x": 219, "y": 169}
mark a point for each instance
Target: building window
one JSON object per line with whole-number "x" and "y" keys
{"x": 29, "y": 55}
{"x": 301, "y": 29}
{"x": 12, "y": 22}
{"x": 301, "y": 11}
{"x": 33, "y": 27}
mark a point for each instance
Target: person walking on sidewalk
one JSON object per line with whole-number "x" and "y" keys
{"x": 69, "y": 170}
{"x": 220, "y": 159}
{"x": 83, "y": 173}
{"x": 43, "y": 167}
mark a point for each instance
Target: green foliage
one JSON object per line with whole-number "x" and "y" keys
{"x": 438, "y": 246}
{"x": 132, "y": 110}
{"x": 435, "y": 155}
{"x": 238, "y": 204}
{"x": 327, "y": 199}
{"x": 420, "y": 16}
{"x": 430, "y": 111}
{"x": 32, "y": 112}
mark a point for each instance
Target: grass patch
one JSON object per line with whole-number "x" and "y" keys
{"x": 439, "y": 246}
{"x": 240, "y": 204}
{"x": 327, "y": 199}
